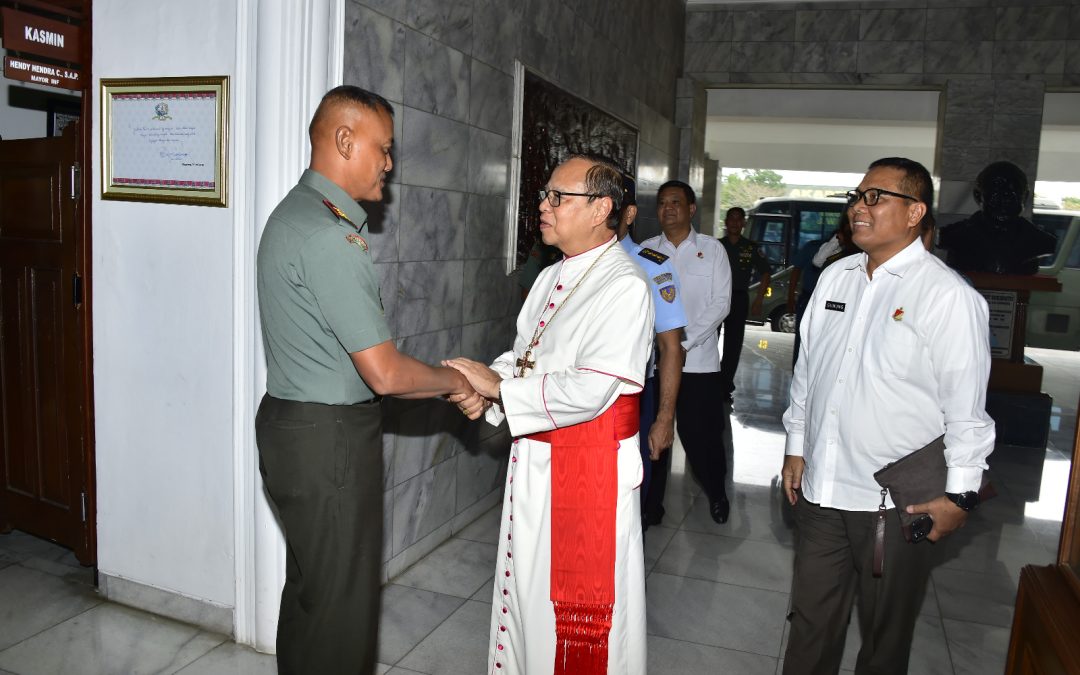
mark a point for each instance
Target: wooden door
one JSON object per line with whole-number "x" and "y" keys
{"x": 44, "y": 472}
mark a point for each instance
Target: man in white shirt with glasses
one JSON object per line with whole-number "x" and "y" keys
{"x": 895, "y": 352}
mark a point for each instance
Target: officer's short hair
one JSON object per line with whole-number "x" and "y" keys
{"x": 349, "y": 95}
{"x": 735, "y": 209}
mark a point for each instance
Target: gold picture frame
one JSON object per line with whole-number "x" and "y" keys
{"x": 165, "y": 140}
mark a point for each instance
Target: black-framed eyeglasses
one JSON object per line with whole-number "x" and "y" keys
{"x": 871, "y": 196}
{"x": 554, "y": 197}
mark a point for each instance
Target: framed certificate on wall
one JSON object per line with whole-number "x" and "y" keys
{"x": 165, "y": 140}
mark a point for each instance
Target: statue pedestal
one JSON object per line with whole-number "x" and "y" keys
{"x": 1014, "y": 397}
{"x": 1008, "y": 296}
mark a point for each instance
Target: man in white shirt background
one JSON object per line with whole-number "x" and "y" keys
{"x": 705, "y": 281}
{"x": 894, "y": 353}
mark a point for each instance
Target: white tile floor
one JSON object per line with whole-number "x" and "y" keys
{"x": 717, "y": 595}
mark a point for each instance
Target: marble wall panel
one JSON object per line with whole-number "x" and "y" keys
{"x": 422, "y": 504}
{"x": 489, "y": 90}
{"x": 374, "y": 52}
{"x": 425, "y": 436}
{"x": 489, "y": 157}
{"x": 826, "y": 25}
{"x": 438, "y": 80}
{"x": 970, "y": 97}
{"x": 968, "y": 129}
{"x": 756, "y": 25}
{"x": 432, "y": 224}
{"x": 1023, "y": 23}
{"x": 963, "y": 24}
{"x": 958, "y": 57}
{"x": 760, "y": 78}
{"x": 1019, "y": 97}
{"x": 708, "y": 26}
{"x": 1029, "y": 57}
{"x": 824, "y": 57}
{"x": 485, "y": 340}
{"x": 478, "y": 472}
{"x": 496, "y": 30}
{"x": 890, "y": 57}
{"x": 960, "y": 162}
{"x": 428, "y": 296}
{"x": 839, "y": 79}
{"x": 383, "y": 222}
{"x": 395, "y": 9}
{"x": 707, "y": 57}
{"x": 892, "y": 24}
{"x": 434, "y": 151}
{"x": 449, "y": 21}
{"x": 1016, "y": 131}
{"x": 487, "y": 295}
{"x": 485, "y": 226}
{"x": 761, "y": 57}
{"x": 1072, "y": 57}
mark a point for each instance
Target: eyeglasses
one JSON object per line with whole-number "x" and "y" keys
{"x": 871, "y": 196}
{"x": 554, "y": 197}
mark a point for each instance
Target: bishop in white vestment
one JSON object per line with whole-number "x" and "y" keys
{"x": 584, "y": 336}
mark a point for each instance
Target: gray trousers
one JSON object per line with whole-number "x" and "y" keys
{"x": 833, "y": 567}
{"x": 322, "y": 467}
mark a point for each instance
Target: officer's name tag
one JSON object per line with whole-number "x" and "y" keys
{"x": 834, "y": 306}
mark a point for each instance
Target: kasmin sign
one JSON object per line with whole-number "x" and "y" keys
{"x": 32, "y": 34}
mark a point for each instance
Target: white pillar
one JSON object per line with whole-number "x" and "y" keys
{"x": 289, "y": 53}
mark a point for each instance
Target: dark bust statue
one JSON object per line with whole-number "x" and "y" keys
{"x": 996, "y": 238}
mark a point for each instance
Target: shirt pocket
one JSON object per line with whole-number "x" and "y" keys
{"x": 898, "y": 349}
{"x": 697, "y": 274}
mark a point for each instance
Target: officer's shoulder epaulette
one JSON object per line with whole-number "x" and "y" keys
{"x": 653, "y": 255}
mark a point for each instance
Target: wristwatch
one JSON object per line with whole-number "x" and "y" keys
{"x": 968, "y": 501}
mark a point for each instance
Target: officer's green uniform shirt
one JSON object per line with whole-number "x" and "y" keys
{"x": 745, "y": 257}
{"x": 318, "y": 295}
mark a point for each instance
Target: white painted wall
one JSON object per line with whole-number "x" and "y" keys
{"x": 163, "y": 345}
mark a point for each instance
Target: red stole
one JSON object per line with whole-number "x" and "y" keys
{"x": 584, "y": 492}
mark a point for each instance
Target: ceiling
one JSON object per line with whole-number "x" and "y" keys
{"x": 844, "y": 130}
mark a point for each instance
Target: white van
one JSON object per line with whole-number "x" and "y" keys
{"x": 780, "y": 225}
{"x": 1054, "y": 318}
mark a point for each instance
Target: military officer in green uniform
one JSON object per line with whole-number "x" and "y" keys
{"x": 745, "y": 257}
{"x": 329, "y": 360}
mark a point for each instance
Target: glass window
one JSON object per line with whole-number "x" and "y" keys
{"x": 771, "y": 235}
{"x": 817, "y": 224}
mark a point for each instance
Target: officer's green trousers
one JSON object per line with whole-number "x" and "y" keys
{"x": 322, "y": 467}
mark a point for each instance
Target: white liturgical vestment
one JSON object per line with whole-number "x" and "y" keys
{"x": 595, "y": 340}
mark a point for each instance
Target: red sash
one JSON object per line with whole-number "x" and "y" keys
{"x": 584, "y": 492}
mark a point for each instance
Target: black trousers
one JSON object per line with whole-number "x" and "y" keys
{"x": 701, "y": 429}
{"x": 834, "y": 553}
{"x": 734, "y": 328}
{"x": 322, "y": 467}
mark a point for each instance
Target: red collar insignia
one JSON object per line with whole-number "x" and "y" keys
{"x": 340, "y": 214}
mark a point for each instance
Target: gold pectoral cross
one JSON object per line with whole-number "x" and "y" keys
{"x": 525, "y": 363}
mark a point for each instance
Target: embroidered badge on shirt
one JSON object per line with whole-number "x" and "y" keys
{"x": 661, "y": 278}
{"x": 341, "y": 215}
{"x": 668, "y": 293}
{"x": 655, "y": 256}
{"x": 835, "y": 306}
{"x": 356, "y": 239}
{"x": 898, "y": 315}
{"x": 700, "y": 254}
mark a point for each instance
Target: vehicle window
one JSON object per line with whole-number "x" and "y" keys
{"x": 816, "y": 224}
{"x": 1058, "y": 224}
{"x": 770, "y": 236}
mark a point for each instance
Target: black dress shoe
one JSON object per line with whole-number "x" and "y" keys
{"x": 720, "y": 510}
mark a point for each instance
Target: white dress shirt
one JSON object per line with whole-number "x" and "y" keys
{"x": 887, "y": 365}
{"x": 705, "y": 283}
